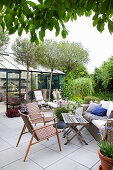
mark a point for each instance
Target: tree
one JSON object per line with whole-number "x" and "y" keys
{"x": 26, "y": 53}
{"x": 103, "y": 76}
{"x": 72, "y": 58}
{"x": 3, "y": 39}
{"x": 107, "y": 74}
{"x": 72, "y": 55}
{"x": 48, "y": 14}
{"x": 49, "y": 52}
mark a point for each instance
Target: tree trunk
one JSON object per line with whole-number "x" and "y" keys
{"x": 50, "y": 83}
{"x": 27, "y": 82}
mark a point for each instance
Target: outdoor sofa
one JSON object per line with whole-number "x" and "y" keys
{"x": 97, "y": 122}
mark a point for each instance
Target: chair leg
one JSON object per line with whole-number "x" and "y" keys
{"x": 58, "y": 138}
{"x": 23, "y": 129}
{"x": 28, "y": 147}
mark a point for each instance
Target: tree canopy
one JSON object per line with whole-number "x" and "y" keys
{"x": 103, "y": 76}
{"x": 36, "y": 18}
{"x": 71, "y": 55}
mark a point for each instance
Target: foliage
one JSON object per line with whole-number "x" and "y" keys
{"x": 106, "y": 148}
{"x": 77, "y": 99}
{"x": 104, "y": 95}
{"x": 58, "y": 112}
{"x": 25, "y": 52}
{"x": 3, "y": 39}
{"x": 107, "y": 74}
{"x": 48, "y": 14}
{"x": 67, "y": 86}
{"x": 103, "y": 77}
{"x": 87, "y": 99}
{"x": 73, "y": 105}
{"x": 82, "y": 87}
{"x": 72, "y": 55}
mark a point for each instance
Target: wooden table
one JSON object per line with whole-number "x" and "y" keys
{"x": 72, "y": 121}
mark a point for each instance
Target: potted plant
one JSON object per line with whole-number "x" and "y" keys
{"x": 58, "y": 112}
{"x": 106, "y": 155}
{"x": 106, "y": 150}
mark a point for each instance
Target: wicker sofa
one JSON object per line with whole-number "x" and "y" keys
{"x": 96, "y": 122}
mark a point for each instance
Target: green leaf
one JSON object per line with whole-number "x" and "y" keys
{"x": 36, "y": 41}
{"x": 75, "y": 16}
{"x": 64, "y": 33}
{"x": 32, "y": 4}
{"x": 42, "y": 34}
{"x": 100, "y": 25}
{"x": 110, "y": 26}
{"x": 12, "y": 30}
{"x": 32, "y": 28}
{"x": 20, "y": 29}
{"x": 67, "y": 4}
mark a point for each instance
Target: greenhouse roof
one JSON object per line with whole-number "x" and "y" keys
{"x": 7, "y": 62}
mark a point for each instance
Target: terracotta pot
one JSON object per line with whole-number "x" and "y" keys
{"x": 106, "y": 163}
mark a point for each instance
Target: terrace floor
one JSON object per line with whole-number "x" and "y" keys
{"x": 44, "y": 155}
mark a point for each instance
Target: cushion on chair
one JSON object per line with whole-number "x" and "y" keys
{"x": 92, "y": 106}
{"x": 110, "y": 115}
{"x": 105, "y": 104}
{"x": 110, "y": 108}
{"x": 99, "y": 111}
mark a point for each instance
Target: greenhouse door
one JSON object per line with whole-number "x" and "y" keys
{"x": 13, "y": 85}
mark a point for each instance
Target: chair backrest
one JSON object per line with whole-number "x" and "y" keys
{"x": 38, "y": 95}
{"x": 28, "y": 124}
{"x": 33, "y": 111}
{"x": 33, "y": 108}
{"x": 56, "y": 95}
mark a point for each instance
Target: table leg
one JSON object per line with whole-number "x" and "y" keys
{"x": 76, "y": 132}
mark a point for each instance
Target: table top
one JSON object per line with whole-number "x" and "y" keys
{"x": 76, "y": 119}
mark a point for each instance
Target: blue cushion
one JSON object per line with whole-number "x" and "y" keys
{"x": 99, "y": 111}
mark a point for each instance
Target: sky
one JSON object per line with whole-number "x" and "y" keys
{"x": 99, "y": 45}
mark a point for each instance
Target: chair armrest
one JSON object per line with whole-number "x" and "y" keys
{"x": 37, "y": 118}
{"x": 38, "y": 114}
{"x": 44, "y": 126}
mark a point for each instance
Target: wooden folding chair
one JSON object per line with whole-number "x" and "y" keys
{"x": 40, "y": 134}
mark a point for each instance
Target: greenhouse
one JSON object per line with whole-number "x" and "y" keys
{"x": 13, "y": 78}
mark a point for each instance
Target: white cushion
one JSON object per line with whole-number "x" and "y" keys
{"x": 99, "y": 123}
{"x": 53, "y": 105}
{"x": 104, "y": 104}
{"x": 110, "y": 108}
{"x": 38, "y": 95}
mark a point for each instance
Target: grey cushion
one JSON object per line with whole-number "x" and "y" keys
{"x": 110, "y": 115}
{"x": 89, "y": 117}
{"x": 92, "y": 106}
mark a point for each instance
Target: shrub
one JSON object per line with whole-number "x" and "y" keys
{"x": 77, "y": 99}
{"x": 82, "y": 87}
{"x": 58, "y": 112}
{"x": 87, "y": 99}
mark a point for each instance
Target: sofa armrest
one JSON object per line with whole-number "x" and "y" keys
{"x": 85, "y": 106}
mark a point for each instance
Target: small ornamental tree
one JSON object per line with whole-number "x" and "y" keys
{"x": 49, "y": 57}
{"x": 26, "y": 53}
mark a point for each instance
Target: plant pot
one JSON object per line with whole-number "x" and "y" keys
{"x": 106, "y": 163}
{"x": 60, "y": 124}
